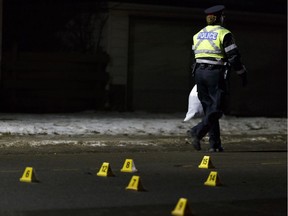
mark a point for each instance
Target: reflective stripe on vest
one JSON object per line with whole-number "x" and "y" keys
{"x": 205, "y": 61}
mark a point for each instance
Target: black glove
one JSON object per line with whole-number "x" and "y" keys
{"x": 244, "y": 77}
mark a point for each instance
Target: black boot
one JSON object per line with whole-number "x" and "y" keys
{"x": 194, "y": 140}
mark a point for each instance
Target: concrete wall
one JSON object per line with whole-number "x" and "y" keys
{"x": 262, "y": 40}
{"x": 117, "y": 47}
{"x": 149, "y": 50}
{"x": 153, "y": 64}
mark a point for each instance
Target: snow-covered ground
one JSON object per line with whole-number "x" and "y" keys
{"x": 93, "y": 130}
{"x": 114, "y": 123}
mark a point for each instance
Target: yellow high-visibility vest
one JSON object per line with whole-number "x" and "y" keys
{"x": 208, "y": 42}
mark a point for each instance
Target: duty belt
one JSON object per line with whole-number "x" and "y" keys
{"x": 205, "y": 61}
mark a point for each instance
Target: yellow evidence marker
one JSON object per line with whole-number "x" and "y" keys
{"x": 206, "y": 163}
{"x": 182, "y": 208}
{"x": 129, "y": 166}
{"x": 29, "y": 175}
{"x": 213, "y": 179}
{"x": 105, "y": 170}
{"x": 135, "y": 184}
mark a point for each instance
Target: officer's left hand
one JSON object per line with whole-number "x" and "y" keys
{"x": 244, "y": 79}
{"x": 243, "y": 76}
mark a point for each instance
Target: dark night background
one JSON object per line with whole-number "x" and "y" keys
{"x": 75, "y": 55}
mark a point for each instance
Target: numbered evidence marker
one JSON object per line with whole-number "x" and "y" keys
{"x": 135, "y": 184}
{"x": 29, "y": 175}
{"x": 213, "y": 179}
{"x": 182, "y": 208}
{"x": 128, "y": 166}
{"x": 206, "y": 163}
{"x": 105, "y": 170}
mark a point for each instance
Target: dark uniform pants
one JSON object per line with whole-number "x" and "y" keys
{"x": 211, "y": 92}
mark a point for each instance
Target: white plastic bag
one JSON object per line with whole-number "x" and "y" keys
{"x": 195, "y": 108}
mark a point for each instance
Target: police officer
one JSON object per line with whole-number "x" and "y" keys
{"x": 215, "y": 50}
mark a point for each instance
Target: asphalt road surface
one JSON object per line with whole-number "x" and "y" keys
{"x": 250, "y": 183}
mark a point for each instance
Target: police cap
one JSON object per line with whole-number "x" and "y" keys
{"x": 215, "y": 9}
